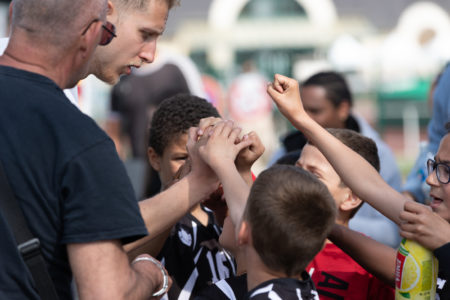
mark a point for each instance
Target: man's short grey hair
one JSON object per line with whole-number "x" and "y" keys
{"x": 141, "y": 4}
{"x": 57, "y": 22}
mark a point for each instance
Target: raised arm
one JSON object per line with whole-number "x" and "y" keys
{"x": 356, "y": 172}
{"x": 373, "y": 256}
{"x": 219, "y": 150}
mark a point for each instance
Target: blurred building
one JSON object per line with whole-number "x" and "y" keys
{"x": 389, "y": 50}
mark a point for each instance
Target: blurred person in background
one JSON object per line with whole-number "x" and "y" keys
{"x": 328, "y": 100}
{"x": 249, "y": 105}
{"x": 415, "y": 186}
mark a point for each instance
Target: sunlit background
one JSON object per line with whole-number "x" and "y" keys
{"x": 390, "y": 51}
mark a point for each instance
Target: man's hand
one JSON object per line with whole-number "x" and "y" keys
{"x": 250, "y": 154}
{"x": 285, "y": 93}
{"x": 424, "y": 226}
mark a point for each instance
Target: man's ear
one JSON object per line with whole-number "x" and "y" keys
{"x": 154, "y": 159}
{"x": 244, "y": 233}
{"x": 350, "y": 202}
{"x": 90, "y": 39}
{"x": 343, "y": 110}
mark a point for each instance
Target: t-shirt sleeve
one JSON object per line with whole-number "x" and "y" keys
{"x": 443, "y": 255}
{"x": 98, "y": 201}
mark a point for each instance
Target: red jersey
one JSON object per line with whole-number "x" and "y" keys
{"x": 337, "y": 276}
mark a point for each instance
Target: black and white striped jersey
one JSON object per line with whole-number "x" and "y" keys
{"x": 285, "y": 289}
{"x": 193, "y": 257}
{"x": 233, "y": 288}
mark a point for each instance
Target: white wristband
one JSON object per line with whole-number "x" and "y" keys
{"x": 165, "y": 286}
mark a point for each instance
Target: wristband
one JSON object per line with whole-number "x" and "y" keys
{"x": 165, "y": 286}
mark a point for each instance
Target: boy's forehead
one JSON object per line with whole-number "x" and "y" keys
{"x": 176, "y": 141}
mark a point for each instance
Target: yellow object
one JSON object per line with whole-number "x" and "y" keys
{"x": 415, "y": 272}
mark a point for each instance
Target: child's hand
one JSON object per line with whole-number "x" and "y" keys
{"x": 220, "y": 147}
{"x": 250, "y": 154}
{"x": 206, "y": 123}
{"x": 424, "y": 226}
{"x": 198, "y": 167}
{"x": 285, "y": 93}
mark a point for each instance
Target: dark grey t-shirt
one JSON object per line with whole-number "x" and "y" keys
{"x": 66, "y": 175}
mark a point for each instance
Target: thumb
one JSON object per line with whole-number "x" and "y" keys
{"x": 273, "y": 93}
{"x": 244, "y": 144}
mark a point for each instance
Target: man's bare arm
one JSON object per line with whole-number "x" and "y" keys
{"x": 102, "y": 271}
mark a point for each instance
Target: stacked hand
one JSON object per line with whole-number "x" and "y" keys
{"x": 248, "y": 155}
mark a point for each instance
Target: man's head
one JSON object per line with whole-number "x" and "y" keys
{"x": 168, "y": 132}
{"x": 438, "y": 177}
{"x": 138, "y": 24}
{"x": 312, "y": 160}
{"x": 45, "y": 33}
{"x": 327, "y": 99}
{"x": 288, "y": 216}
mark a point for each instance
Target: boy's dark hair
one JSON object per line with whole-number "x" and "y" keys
{"x": 362, "y": 145}
{"x": 289, "y": 158}
{"x": 337, "y": 90}
{"x": 175, "y": 116}
{"x": 290, "y": 213}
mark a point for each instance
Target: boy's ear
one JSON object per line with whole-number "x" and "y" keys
{"x": 244, "y": 234}
{"x": 154, "y": 159}
{"x": 350, "y": 202}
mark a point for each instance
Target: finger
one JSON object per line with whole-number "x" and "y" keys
{"x": 274, "y": 94}
{"x": 217, "y": 129}
{"x": 409, "y": 227}
{"x": 415, "y": 207}
{"x": 277, "y": 86}
{"x": 243, "y": 144}
{"x": 206, "y": 122}
{"x": 282, "y": 83}
{"x": 234, "y": 134}
{"x": 407, "y": 235}
{"x": 407, "y": 216}
{"x": 227, "y": 129}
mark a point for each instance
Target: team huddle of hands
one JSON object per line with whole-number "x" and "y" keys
{"x": 218, "y": 151}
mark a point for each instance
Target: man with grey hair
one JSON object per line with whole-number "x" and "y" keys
{"x": 63, "y": 170}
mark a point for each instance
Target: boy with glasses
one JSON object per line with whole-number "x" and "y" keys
{"x": 430, "y": 228}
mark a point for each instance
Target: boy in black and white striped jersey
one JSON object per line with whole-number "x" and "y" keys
{"x": 282, "y": 225}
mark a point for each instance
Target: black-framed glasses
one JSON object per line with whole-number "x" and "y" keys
{"x": 442, "y": 170}
{"x": 108, "y": 33}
